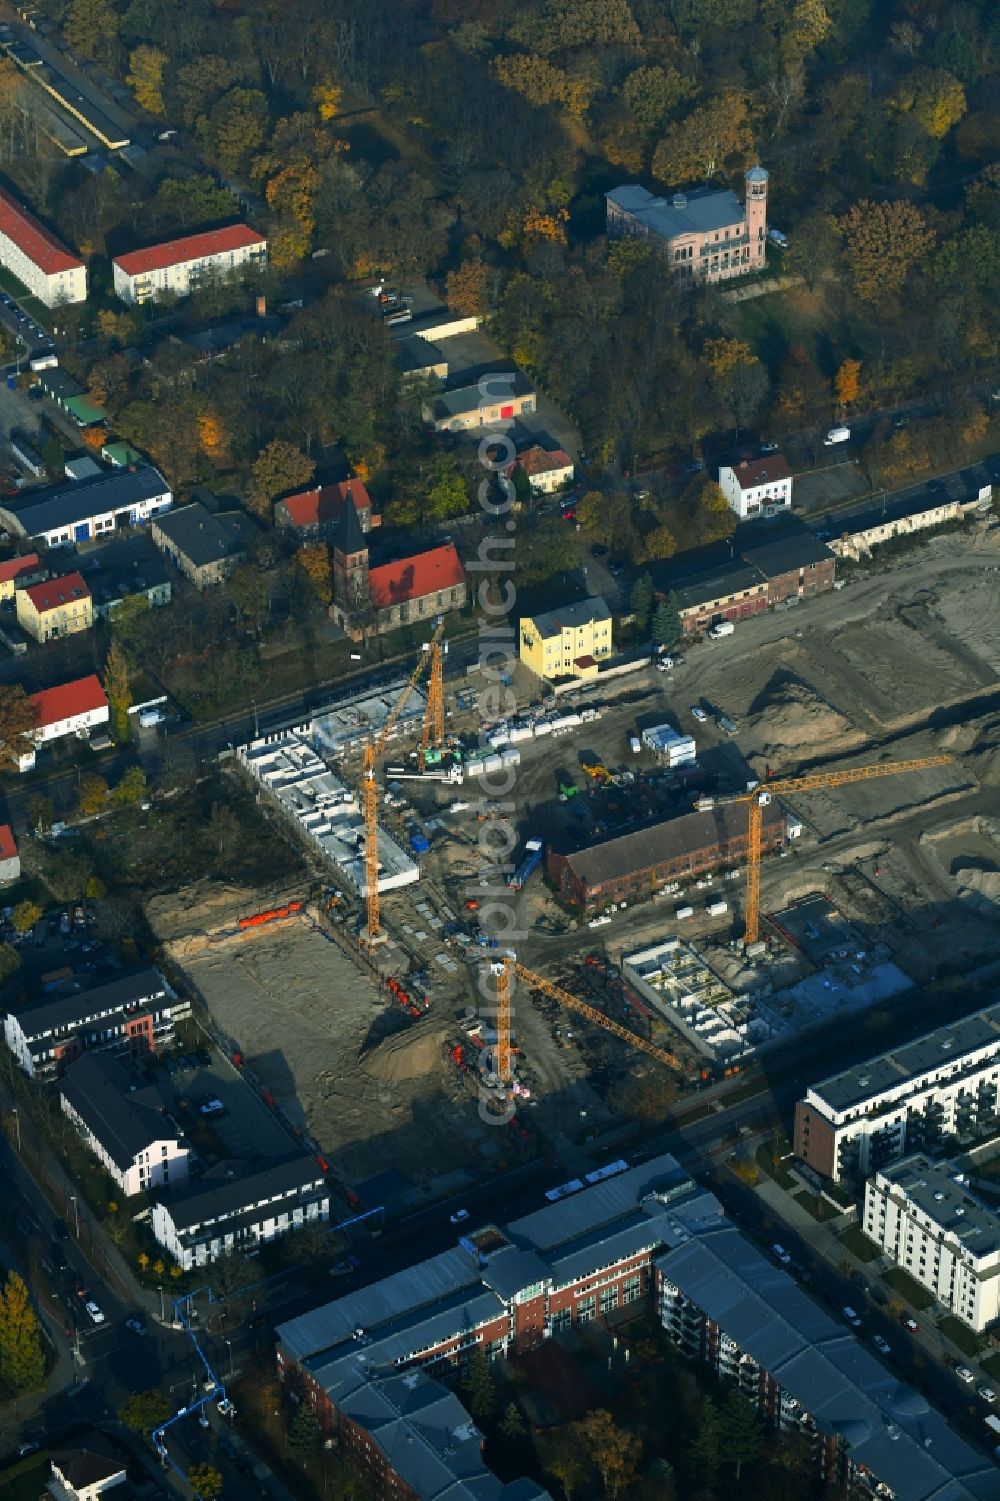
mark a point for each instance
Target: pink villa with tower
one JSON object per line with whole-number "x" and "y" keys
{"x": 707, "y": 234}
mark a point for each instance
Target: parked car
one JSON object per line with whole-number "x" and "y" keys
{"x": 987, "y": 1393}
{"x": 346, "y": 1267}
{"x": 698, "y": 713}
{"x": 212, "y": 1107}
{"x": 60, "y": 1229}
{"x": 769, "y": 448}
{"x": 94, "y": 1312}
{"x": 910, "y": 1324}
{"x": 776, "y": 237}
{"x": 964, "y": 1374}
{"x": 881, "y": 1345}
{"x": 852, "y": 1317}
{"x": 136, "y": 1326}
{"x": 459, "y": 1217}
{"x": 29, "y": 1447}
{"x": 781, "y": 1254}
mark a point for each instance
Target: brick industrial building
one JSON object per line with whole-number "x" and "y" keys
{"x": 905, "y": 1100}
{"x": 649, "y": 1236}
{"x": 638, "y": 864}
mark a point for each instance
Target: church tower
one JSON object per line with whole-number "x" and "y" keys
{"x": 350, "y": 569}
{"x": 756, "y": 181}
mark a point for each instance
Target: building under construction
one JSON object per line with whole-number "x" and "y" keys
{"x": 637, "y": 865}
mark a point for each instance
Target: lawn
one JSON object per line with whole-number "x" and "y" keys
{"x": 31, "y": 305}
{"x": 854, "y": 1240}
{"x": 780, "y": 319}
{"x": 902, "y": 1283}
{"x": 775, "y": 1170}
{"x": 821, "y": 1209}
{"x": 991, "y": 1365}
{"x": 961, "y": 1335}
{"x": 25, "y": 1481}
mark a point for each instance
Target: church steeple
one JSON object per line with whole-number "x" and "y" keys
{"x": 350, "y": 564}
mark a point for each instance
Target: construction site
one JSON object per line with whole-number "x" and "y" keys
{"x": 838, "y": 825}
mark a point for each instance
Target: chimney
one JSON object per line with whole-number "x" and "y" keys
{"x": 261, "y": 307}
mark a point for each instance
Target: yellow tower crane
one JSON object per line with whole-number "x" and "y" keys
{"x": 759, "y": 797}
{"x": 433, "y": 731}
{"x": 508, "y": 967}
{"x": 372, "y": 931}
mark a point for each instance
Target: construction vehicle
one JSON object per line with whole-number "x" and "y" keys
{"x": 372, "y": 933}
{"x": 757, "y": 798}
{"x": 507, "y": 968}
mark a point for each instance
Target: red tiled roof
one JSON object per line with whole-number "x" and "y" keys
{"x": 14, "y": 567}
{"x": 322, "y": 504}
{"x": 48, "y": 253}
{"x": 56, "y": 592}
{"x": 751, "y": 472}
{"x": 540, "y": 460}
{"x": 190, "y": 248}
{"x": 412, "y": 578}
{"x": 8, "y": 844}
{"x": 68, "y": 700}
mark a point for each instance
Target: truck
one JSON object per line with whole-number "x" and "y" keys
{"x": 726, "y": 724}
{"x": 533, "y": 851}
{"x": 720, "y": 629}
{"x": 836, "y": 435}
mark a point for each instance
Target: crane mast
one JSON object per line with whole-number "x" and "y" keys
{"x": 433, "y": 729}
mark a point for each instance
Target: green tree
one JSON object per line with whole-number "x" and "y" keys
{"x": 145, "y": 78}
{"x": 446, "y": 492}
{"x": 41, "y": 812}
{"x": 200, "y": 82}
{"x": 652, "y": 93}
{"x": 205, "y": 1481}
{"x": 564, "y": 1457}
{"x": 251, "y": 599}
{"x": 10, "y": 962}
{"x": 118, "y": 689}
{"x": 479, "y": 1387}
{"x": 22, "y": 1362}
{"x": 715, "y": 137}
{"x": 53, "y": 456}
{"x": 884, "y": 241}
{"x": 814, "y": 248}
{"x": 641, "y": 601}
{"x": 182, "y": 202}
{"x": 706, "y": 1452}
{"x": 522, "y": 488}
{"x": 658, "y": 544}
{"x": 144, "y": 1411}
{"x": 742, "y": 1434}
{"x": 713, "y": 517}
{"x": 17, "y": 722}
{"x": 91, "y": 28}
{"x": 25, "y": 915}
{"x": 132, "y": 789}
{"x": 667, "y": 624}
{"x": 277, "y": 469}
{"x": 614, "y": 1450}
{"x": 305, "y": 1436}
{"x": 512, "y": 1424}
{"x": 235, "y": 127}
{"x": 92, "y": 796}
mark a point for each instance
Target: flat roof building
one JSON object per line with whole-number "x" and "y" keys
{"x": 178, "y": 265}
{"x": 37, "y": 258}
{"x": 904, "y": 1100}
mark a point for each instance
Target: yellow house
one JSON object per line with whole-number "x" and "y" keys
{"x": 569, "y": 642}
{"x": 59, "y": 607}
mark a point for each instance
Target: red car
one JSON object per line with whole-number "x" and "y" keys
{"x": 569, "y": 515}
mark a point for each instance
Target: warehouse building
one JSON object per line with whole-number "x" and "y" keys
{"x": 924, "y": 1217}
{"x": 638, "y": 864}
{"x": 89, "y": 509}
{"x": 178, "y": 265}
{"x": 903, "y": 1101}
{"x": 38, "y": 260}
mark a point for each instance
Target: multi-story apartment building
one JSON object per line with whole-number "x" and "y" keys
{"x": 38, "y": 260}
{"x": 134, "y": 1014}
{"x": 923, "y": 1215}
{"x": 647, "y": 1236}
{"x": 757, "y": 487}
{"x": 59, "y": 607}
{"x": 127, "y": 1129}
{"x": 903, "y": 1101}
{"x": 178, "y": 265}
{"x": 726, "y": 1305}
{"x": 569, "y": 642}
{"x": 706, "y": 234}
{"x": 202, "y": 1223}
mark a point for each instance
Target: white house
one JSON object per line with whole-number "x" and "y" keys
{"x": 924, "y": 1217}
{"x": 37, "y": 258}
{"x": 133, "y": 1015}
{"x": 87, "y": 1472}
{"x": 547, "y": 469}
{"x": 73, "y": 708}
{"x": 224, "y": 1215}
{"x": 89, "y": 509}
{"x": 130, "y": 1133}
{"x": 757, "y": 487}
{"x": 177, "y": 265}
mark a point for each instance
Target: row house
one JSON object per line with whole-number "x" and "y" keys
{"x": 240, "y": 1214}
{"x": 134, "y": 1015}
{"x": 177, "y": 266}
{"x": 37, "y": 258}
{"x": 127, "y": 1129}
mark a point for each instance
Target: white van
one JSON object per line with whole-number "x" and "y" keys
{"x": 150, "y": 717}
{"x": 722, "y": 628}
{"x": 836, "y": 435}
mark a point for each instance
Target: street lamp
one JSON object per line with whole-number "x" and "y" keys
{"x": 160, "y": 1291}
{"x": 229, "y": 1347}
{"x": 76, "y": 1214}
{"x": 17, "y": 1127}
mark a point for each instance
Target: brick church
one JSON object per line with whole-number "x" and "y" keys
{"x": 371, "y": 600}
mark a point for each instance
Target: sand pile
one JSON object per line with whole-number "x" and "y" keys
{"x": 792, "y": 719}
{"x": 413, "y": 1054}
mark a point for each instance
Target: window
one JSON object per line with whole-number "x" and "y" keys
{"x": 609, "y": 1300}
{"x": 585, "y": 1310}
{"x": 632, "y": 1289}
